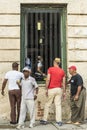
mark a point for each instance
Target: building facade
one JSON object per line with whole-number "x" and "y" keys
{"x": 15, "y": 17}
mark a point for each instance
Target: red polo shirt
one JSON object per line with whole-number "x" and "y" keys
{"x": 56, "y": 77}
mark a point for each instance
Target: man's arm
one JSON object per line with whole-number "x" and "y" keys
{"x": 3, "y": 86}
{"x": 36, "y": 92}
{"x": 37, "y": 89}
{"x": 19, "y": 84}
{"x": 78, "y": 93}
{"x": 64, "y": 84}
{"x": 64, "y": 87}
{"x": 47, "y": 83}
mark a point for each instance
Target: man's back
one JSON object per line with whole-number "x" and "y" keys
{"x": 13, "y": 76}
{"x": 56, "y": 77}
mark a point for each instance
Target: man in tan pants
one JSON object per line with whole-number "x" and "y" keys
{"x": 54, "y": 83}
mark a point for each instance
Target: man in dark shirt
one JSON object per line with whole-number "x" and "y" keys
{"x": 78, "y": 96}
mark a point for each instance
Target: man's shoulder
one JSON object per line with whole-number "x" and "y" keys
{"x": 78, "y": 76}
{"x": 9, "y": 72}
{"x": 19, "y": 72}
{"x": 62, "y": 70}
{"x": 50, "y": 68}
{"x": 31, "y": 78}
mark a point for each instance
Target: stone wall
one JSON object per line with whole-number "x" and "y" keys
{"x": 10, "y": 36}
{"x": 40, "y": 102}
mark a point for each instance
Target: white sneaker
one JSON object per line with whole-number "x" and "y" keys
{"x": 31, "y": 125}
{"x": 20, "y": 127}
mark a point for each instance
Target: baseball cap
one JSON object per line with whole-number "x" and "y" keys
{"x": 26, "y": 69}
{"x": 57, "y": 60}
{"x": 15, "y": 64}
{"x": 73, "y": 67}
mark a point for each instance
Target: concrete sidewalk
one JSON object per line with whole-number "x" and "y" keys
{"x": 4, "y": 125}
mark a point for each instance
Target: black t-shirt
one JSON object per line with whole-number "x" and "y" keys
{"x": 75, "y": 81}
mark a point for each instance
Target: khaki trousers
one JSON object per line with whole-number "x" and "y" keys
{"x": 78, "y": 107}
{"x": 54, "y": 95}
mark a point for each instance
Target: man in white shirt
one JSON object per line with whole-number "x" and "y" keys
{"x": 14, "y": 91}
{"x": 29, "y": 89}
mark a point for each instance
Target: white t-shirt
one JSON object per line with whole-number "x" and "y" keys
{"x": 28, "y": 87}
{"x": 39, "y": 64}
{"x": 13, "y": 76}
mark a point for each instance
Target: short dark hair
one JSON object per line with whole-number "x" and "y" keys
{"x": 14, "y": 64}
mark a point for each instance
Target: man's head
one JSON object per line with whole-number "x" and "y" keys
{"x": 15, "y": 66}
{"x": 72, "y": 70}
{"x": 56, "y": 62}
{"x": 26, "y": 72}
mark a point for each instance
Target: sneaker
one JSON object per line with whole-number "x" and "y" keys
{"x": 59, "y": 123}
{"x": 43, "y": 122}
{"x": 20, "y": 127}
{"x": 31, "y": 125}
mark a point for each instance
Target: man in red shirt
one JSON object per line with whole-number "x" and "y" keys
{"x": 54, "y": 84}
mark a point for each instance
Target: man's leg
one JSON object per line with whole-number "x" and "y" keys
{"x": 78, "y": 108}
{"x": 74, "y": 111}
{"x": 49, "y": 101}
{"x": 57, "y": 102}
{"x": 12, "y": 100}
{"x": 18, "y": 100}
{"x": 22, "y": 112}
{"x": 31, "y": 110}
{"x": 82, "y": 106}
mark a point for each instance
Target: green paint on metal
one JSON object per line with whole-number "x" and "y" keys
{"x": 22, "y": 47}
{"x": 63, "y": 39}
{"x": 63, "y": 12}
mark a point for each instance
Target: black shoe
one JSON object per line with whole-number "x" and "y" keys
{"x": 43, "y": 122}
{"x": 59, "y": 123}
{"x": 13, "y": 123}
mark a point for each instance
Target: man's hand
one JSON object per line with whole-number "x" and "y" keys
{"x": 35, "y": 97}
{"x": 3, "y": 86}
{"x": 2, "y": 93}
{"x": 64, "y": 96}
{"x": 18, "y": 82}
{"x": 46, "y": 93}
{"x": 76, "y": 97}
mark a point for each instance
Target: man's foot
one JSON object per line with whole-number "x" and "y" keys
{"x": 20, "y": 127}
{"x": 59, "y": 123}
{"x": 76, "y": 123}
{"x": 69, "y": 122}
{"x": 31, "y": 125}
{"x": 13, "y": 123}
{"x": 43, "y": 122}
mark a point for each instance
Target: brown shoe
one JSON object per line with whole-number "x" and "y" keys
{"x": 76, "y": 123}
{"x": 69, "y": 122}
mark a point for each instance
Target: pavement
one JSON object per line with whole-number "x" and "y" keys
{"x": 4, "y": 125}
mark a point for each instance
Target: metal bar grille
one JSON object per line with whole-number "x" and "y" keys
{"x": 31, "y": 38}
{"x": 50, "y": 37}
{"x": 43, "y": 37}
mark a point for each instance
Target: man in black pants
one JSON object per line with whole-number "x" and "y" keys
{"x": 78, "y": 97}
